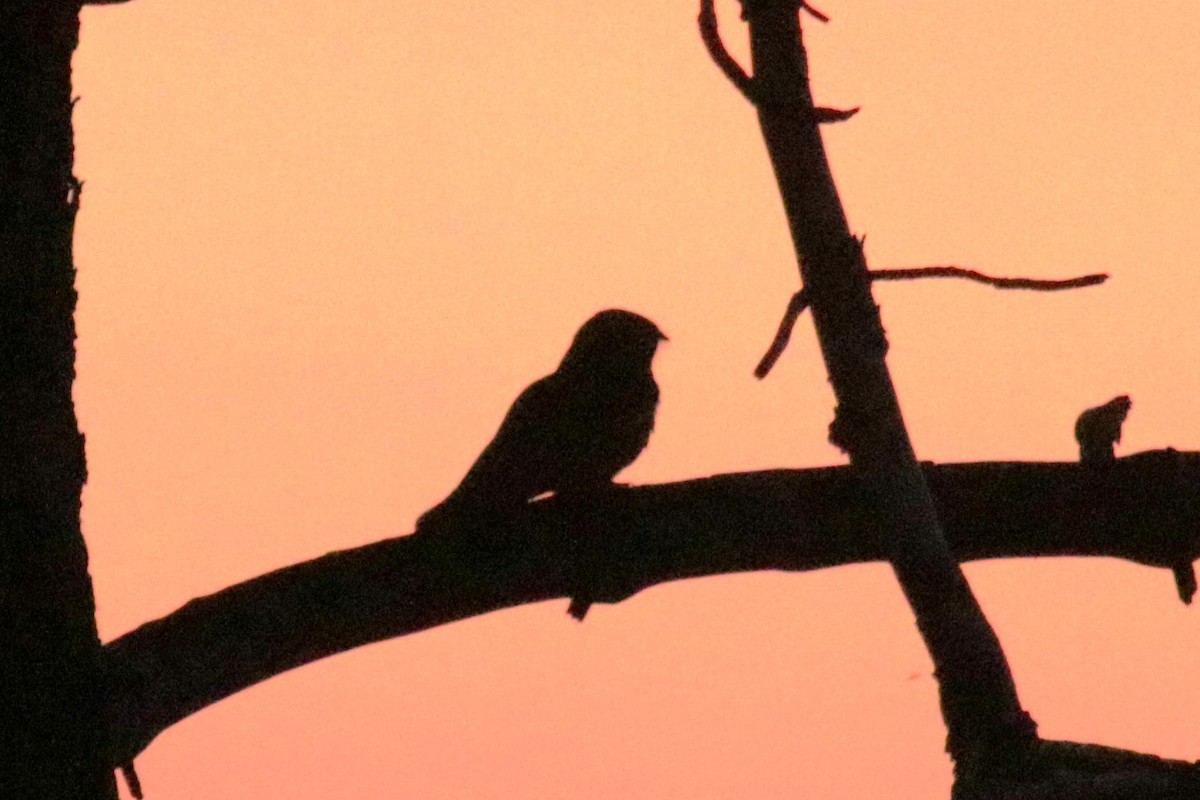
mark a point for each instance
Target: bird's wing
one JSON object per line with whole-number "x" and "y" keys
{"x": 523, "y": 457}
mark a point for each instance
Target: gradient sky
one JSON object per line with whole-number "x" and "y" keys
{"x": 324, "y": 245}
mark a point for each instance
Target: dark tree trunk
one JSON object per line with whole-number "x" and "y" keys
{"x": 52, "y": 740}
{"x": 983, "y": 716}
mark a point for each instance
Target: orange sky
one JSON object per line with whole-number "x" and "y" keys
{"x": 324, "y": 245}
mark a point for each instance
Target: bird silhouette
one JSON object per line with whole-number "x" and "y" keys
{"x": 1099, "y": 428}
{"x": 569, "y": 432}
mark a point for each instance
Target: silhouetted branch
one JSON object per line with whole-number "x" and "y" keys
{"x": 813, "y": 12}
{"x": 799, "y": 301}
{"x": 912, "y": 273}
{"x": 827, "y": 115}
{"x": 1143, "y": 508}
{"x": 711, "y": 37}
{"x": 1058, "y": 770}
{"x": 795, "y": 308}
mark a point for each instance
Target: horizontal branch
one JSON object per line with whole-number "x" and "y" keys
{"x": 799, "y": 300}
{"x": 1057, "y": 770}
{"x": 1143, "y": 508}
{"x": 1035, "y": 284}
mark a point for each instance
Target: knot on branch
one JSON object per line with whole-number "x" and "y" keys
{"x": 847, "y": 429}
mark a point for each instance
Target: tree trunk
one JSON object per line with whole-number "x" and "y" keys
{"x": 52, "y": 736}
{"x": 983, "y": 716}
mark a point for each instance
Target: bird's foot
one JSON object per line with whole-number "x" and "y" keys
{"x": 1185, "y": 581}
{"x": 579, "y": 607}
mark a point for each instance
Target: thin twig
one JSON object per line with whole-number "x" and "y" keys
{"x": 720, "y": 56}
{"x": 795, "y": 308}
{"x": 826, "y": 115}
{"x": 813, "y": 12}
{"x": 911, "y": 273}
{"x": 799, "y": 301}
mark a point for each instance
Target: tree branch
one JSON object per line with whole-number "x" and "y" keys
{"x": 1035, "y": 284}
{"x": 813, "y": 12}
{"x": 783, "y": 335}
{"x": 711, "y": 37}
{"x": 799, "y": 301}
{"x": 1143, "y": 508}
{"x": 1058, "y": 770}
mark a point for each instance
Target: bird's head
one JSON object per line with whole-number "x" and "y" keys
{"x": 1121, "y": 405}
{"x": 614, "y": 339}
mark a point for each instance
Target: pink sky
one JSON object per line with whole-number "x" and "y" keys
{"x": 323, "y": 246}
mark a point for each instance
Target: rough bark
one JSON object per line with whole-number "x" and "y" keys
{"x": 983, "y": 715}
{"x": 51, "y": 699}
{"x": 1143, "y": 508}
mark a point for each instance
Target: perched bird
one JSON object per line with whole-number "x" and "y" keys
{"x": 1099, "y": 428}
{"x": 570, "y": 431}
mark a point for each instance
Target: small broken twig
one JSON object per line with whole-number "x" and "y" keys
{"x": 826, "y": 115}
{"x": 799, "y": 300}
{"x": 795, "y": 308}
{"x": 813, "y": 12}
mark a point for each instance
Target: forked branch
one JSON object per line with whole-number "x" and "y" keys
{"x": 799, "y": 300}
{"x": 711, "y": 36}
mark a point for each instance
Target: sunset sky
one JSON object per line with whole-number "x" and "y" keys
{"x": 323, "y": 246}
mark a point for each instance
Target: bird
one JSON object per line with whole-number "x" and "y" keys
{"x": 570, "y": 432}
{"x": 1099, "y": 428}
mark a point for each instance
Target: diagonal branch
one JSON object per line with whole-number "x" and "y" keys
{"x": 813, "y": 12}
{"x": 711, "y": 37}
{"x": 794, "y": 309}
{"x": 800, "y": 301}
{"x": 1143, "y": 508}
